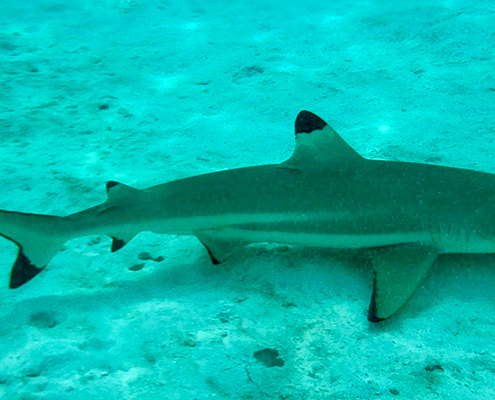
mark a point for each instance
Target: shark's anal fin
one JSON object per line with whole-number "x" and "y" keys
{"x": 117, "y": 193}
{"x": 219, "y": 249}
{"x": 22, "y": 271}
{"x": 398, "y": 272}
{"x": 117, "y": 244}
{"x": 119, "y": 240}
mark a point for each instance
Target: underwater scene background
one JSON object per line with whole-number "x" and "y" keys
{"x": 148, "y": 91}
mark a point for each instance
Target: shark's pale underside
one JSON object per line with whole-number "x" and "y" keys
{"x": 326, "y": 195}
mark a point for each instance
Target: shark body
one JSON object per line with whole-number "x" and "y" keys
{"x": 326, "y": 195}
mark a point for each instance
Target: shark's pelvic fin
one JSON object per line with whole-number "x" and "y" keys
{"x": 318, "y": 145}
{"x": 398, "y": 272}
{"x": 219, "y": 249}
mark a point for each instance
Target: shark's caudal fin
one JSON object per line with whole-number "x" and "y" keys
{"x": 38, "y": 237}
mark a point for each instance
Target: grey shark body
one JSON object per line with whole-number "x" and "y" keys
{"x": 325, "y": 195}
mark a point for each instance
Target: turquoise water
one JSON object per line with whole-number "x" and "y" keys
{"x": 145, "y": 92}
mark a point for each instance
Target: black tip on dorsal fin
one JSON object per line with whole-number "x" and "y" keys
{"x": 111, "y": 184}
{"x": 22, "y": 271}
{"x": 116, "y": 190}
{"x": 307, "y": 122}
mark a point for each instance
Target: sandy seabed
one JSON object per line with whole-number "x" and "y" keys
{"x": 145, "y": 92}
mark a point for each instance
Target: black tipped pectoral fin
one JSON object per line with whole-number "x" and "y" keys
{"x": 22, "y": 271}
{"x": 213, "y": 258}
{"x": 398, "y": 272}
{"x": 219, "y": 249}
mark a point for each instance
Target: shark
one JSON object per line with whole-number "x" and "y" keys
{"x": 326, "y": 195}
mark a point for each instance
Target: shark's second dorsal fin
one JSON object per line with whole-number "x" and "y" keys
{"x": 318, "y": 145}
{"x": 118, "y": 193}
{"x": 116, "y": 190}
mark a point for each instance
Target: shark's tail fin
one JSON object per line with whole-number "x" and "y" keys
{"x": 38, "y": 237}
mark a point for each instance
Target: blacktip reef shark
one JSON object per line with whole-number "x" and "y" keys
{"x": 325, "y": 195}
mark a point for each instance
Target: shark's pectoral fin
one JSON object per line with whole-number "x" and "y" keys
{"x": 219, "y": 248}
{"x": 398, "y": 272}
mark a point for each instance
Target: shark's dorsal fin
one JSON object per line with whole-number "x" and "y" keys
{"x": 318, "y": 145}
{"x": 116, "y": 190}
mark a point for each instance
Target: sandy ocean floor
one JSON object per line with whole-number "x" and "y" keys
{"x": 144, "y": 92}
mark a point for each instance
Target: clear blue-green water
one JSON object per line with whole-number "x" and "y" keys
{"x": 144, "y": 92}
